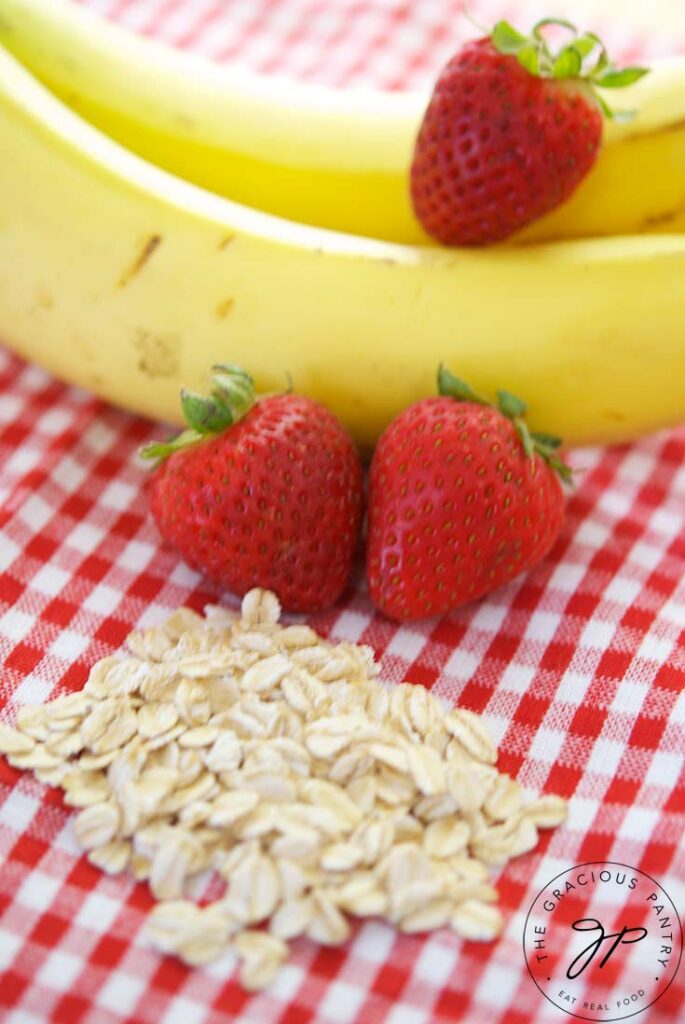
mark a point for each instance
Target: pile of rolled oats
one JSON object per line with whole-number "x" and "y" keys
{"x": 276, "y": 759}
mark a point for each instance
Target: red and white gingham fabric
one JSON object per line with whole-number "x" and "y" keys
{"x": 579, "y": 668}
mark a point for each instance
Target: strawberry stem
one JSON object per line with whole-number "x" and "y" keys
{"x": 232, "y": 396}
{"x": 533, "y": 442}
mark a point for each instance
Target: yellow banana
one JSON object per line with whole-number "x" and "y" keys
{"x": 335, "y": 159}
{"x": 130, "y": 282}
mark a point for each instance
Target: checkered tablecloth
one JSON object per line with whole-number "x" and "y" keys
{"x": 578, "y": 668}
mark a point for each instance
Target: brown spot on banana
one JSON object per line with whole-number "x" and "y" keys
{"x": 224, "y": 241}
{"x": 150, "y": 246}
{"x": 660, "y": 220}
{"x": 158, "y": 354}
{"x": 224, "y": 308}
{"x": 43, "y": 301}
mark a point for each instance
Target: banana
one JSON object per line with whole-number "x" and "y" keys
{"x": 130, "y": 282}
{"x": 331, "y": 158}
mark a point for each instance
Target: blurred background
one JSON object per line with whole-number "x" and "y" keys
{"x": 386, "y": 43}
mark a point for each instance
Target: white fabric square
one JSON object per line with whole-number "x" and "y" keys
{"x": 65, "y": 840}
{"x": 664, "y": 769}
{"x": 69, "y": 474}
{"x": 38, "y": 890}
{"x": 136, "y": 555}
{"x": 436, "y": 962}
{"x": 490, "y": 615}
{"x": 9, "y": 946}
{"x": 666, "y": 521}
{"x": 21, "y": 1016}
{"x": 181, "y": 575}
{"x": 349, "y": 626}
{"x": 638, "y": 823}
{"x": 517, "y": 678}
{"x": 636, "y": 467}
{"x": 547, "y": 744}
{"x": 118, "y": 495}
{"x": 9, "y": 551}
{"x": 572, "y": 688}
{"x": 121, "y": 992}
{"x": 542, "y": 626}
{"x": 341, "y": 1002}
{"x": 54, "y": 421}
{"x": 646, "y": 555}
{"x": 622, "y": 589}
{"x": 656, "y": 648}
{"x": 593, "y": 534}
{"x": 497, "y": 725}
{"x": 10, "y": 407}
{"x": 605, "y": 757}
{"x": 99, "y": 437}
{"x": 32, "y": 690}
{"x": 15, "y": 624}
{"x": 286, "y": 983}
{"x": 21, "y": 461}
{"x": 50, "y": 580}
{"x": 69, "y": 645}
{"x": 674, "y": 611}
{"x": 102, "y": 599}
{"x": 598, "y": 634}
{"x": 462, "y": 664}
{"x": 183, "y": 1011}
{"x": 629, "y": 698}
{"x": 18, "y": 810}
{"x": 59, "y": 970}
{"x": 97, "y": 912}
{"x": 85, "y": 537}
{"x": 407, "y": 644}
{"x": 405, "y": 1014}
{"x": 567, "y": 577}
{"x": 374, "y": 942}
{"x": 498, "y": 983}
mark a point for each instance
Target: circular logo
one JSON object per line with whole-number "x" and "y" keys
{"x": 603, "y": 941}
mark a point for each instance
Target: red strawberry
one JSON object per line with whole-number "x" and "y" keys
{"x": 266, "y": 493}
{"x": 462, "y": 499}
{"x": 510, "y": 132}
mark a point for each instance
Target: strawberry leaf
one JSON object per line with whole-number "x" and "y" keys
{"x": 450, "y": 386}
{"x": 206, "y": 415}
{"x": 618, "y": 79}
{"x": 159, "y": 450}
{"x": 547, "y": 440}
{"x": 568, "y": 63}
{"x": 506, "y": 39}
{"x": 234, "y": 387}
{"x": 586, "y": 43}
{"x": 564, "y": 471}
{"x": 529, "y": 58}
{"x": 510, "y": 406}
{"x": 526, "y": 439}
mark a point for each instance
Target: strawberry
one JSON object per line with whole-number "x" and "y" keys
{"x": 462, "y": 498}
{"x": 510, "y": 132}
{"x": 263, "y": 493}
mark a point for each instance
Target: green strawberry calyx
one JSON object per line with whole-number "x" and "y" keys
{"x": 231, "y": 398}
{"x": 534, "y": 442}
{"x": 584, "y": 57}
